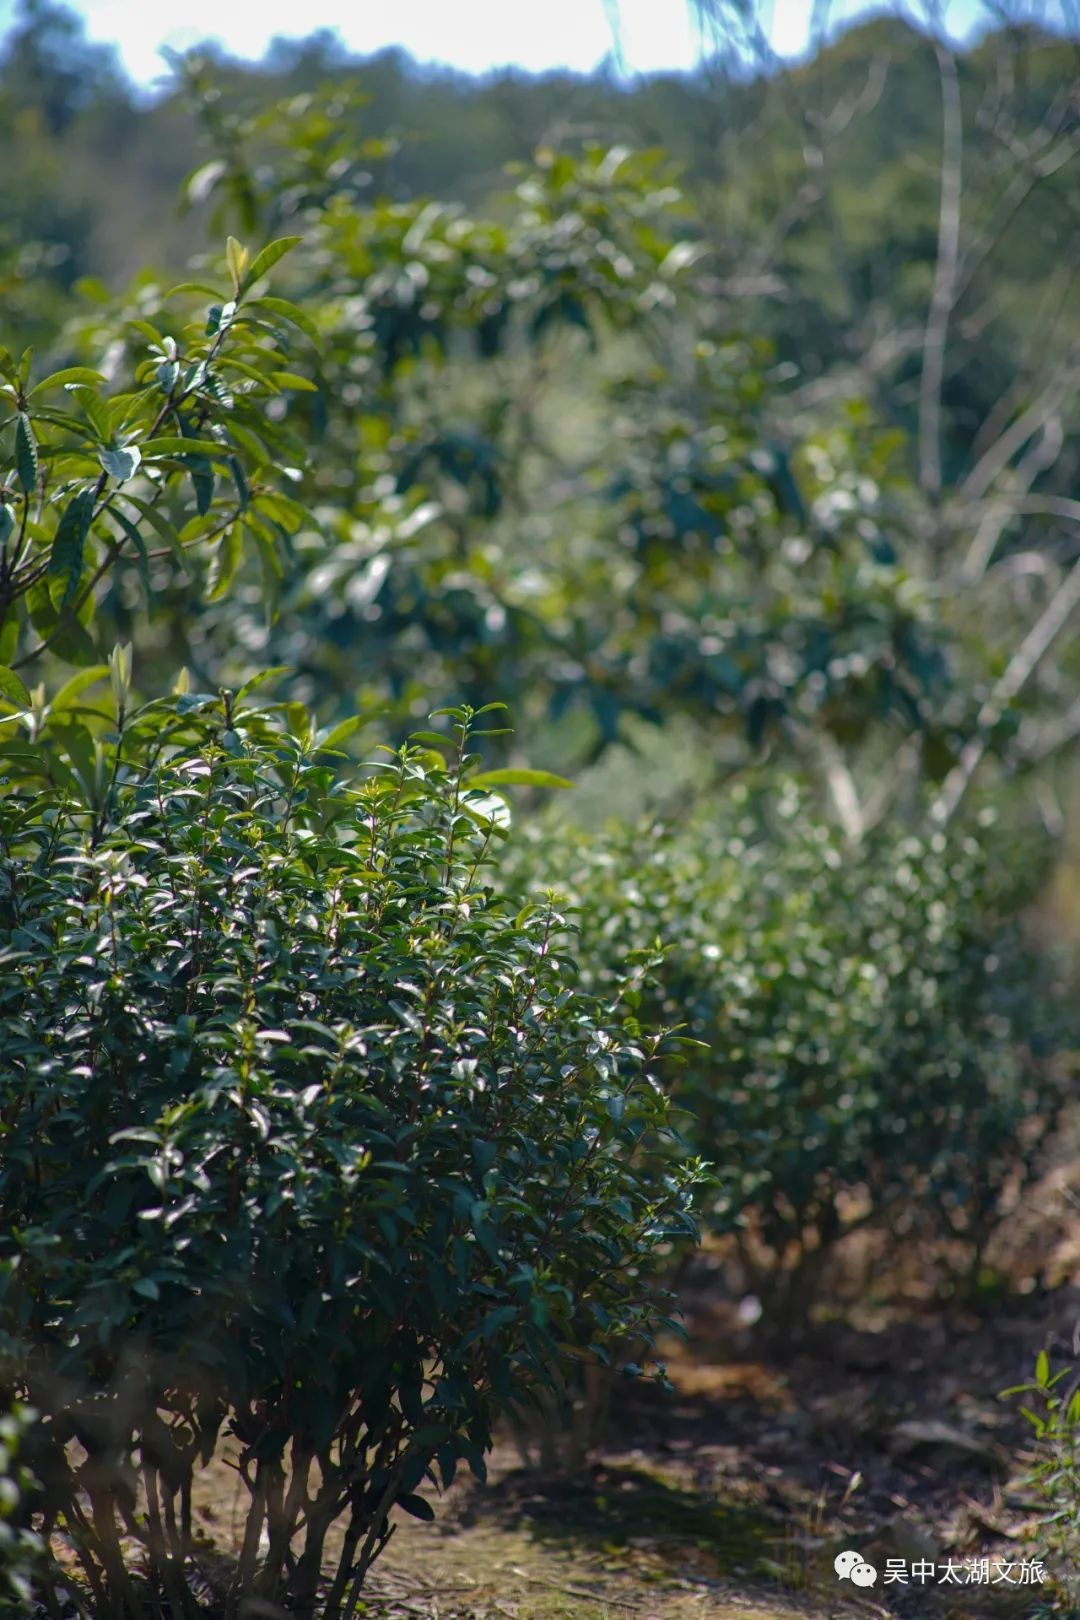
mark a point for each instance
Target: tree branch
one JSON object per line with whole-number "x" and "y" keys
{"x": 1056, "y": 735}
{"x": 1027, "y": 424}
{"x": 1021, "y": 667}
{"x": 1043, "y": 453}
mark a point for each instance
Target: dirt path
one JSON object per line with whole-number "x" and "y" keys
{"x": 622, "y": 1540}
{"x": 489, "y": 1573}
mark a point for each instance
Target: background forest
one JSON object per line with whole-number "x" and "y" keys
{"x": 384, "y": 451}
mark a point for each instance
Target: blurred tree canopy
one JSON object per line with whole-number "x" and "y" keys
{"x": 745, "y": 397}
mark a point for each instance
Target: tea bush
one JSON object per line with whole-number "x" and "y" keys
{"x": 877, "y": 1034}
{"x": 309, "y": 1139}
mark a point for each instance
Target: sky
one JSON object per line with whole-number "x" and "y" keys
{"x": 473, "y": 35}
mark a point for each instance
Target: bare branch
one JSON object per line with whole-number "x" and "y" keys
{"x": 1027, "y": 424}
{"x": 1061, "y": 506}
{"x": 1043, "y": 453}
{"x": 1050, "y": 739}
{"x": 1021, "y": 667}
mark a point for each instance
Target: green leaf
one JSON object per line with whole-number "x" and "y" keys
{"x": 266, "y": 260}
{"x": 121, "y": 464}
{"x": 272, "y": 571}
{"x": 1042, "y": 1369}
{"x": 183, "y": 447}
{"x": 120, "y": 674}
{"x": 260, "y": 679}
{"x": 150, "y": 333}
{"x": 259, "y": 454}
{"x": 66, "y": 556}
{"x": 292, "y": 379}
{"x": 70, "y": 374}
{"x": 12, "y": 689}
{"x": 417, "y": 1506}
{"x": 484, "y": 1235}
{"x": 331, "y": 736}
{"x": 94, "y": 409}
{"x": 159, "y": 524}
{"x": 78, "y": 751}
{"x": 283, "y": 510}
{"x": 70, "y": 641}
{"x": 202, "y": 483}
{"x": 26, "y": 461}
{"x": 226, "y": 560}
{"x": 7, "y": 522}
{"x": 236, "y": 259}
{"x": 513, "y": 777}
{"x": 500, "y": 1317}
{"x": 193, "y": 287}
{"x": 192, "y": 702}
{"x": 238, "y": 478}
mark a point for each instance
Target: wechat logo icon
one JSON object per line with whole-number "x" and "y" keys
{"x": 852, "y": 1566}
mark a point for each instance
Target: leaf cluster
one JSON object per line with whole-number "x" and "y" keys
{"x": 187, "y": 456}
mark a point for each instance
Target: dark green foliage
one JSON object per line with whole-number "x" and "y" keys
{"x": 185, "y": 458}
{"x": 306, "y": 1134}
{"x": 881, "y": 1045}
